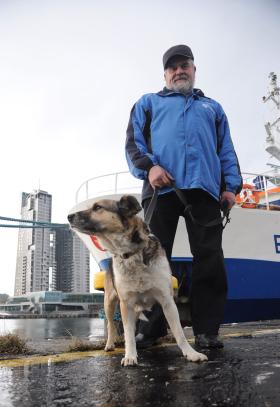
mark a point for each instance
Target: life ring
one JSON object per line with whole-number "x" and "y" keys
{"x": 248, "y": 197}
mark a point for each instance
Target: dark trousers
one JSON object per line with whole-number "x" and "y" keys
{"x": 209, "y": 283}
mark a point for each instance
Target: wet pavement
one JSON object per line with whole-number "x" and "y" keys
{"x": 245, "y": 373}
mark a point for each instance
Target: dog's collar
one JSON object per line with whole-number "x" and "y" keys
{"x": 125, "y": 256}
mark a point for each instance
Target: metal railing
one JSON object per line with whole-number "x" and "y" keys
{"x": 266, "y": 183}
{"x": 108, "y": 184}
{"x": 124, "y": 182}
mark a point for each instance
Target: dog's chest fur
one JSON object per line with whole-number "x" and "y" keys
{"x": 133, "y": 273}
{"x": 140, "y": 266}
{"x": 137, "y": 282}
{"x": 139, "y": 269}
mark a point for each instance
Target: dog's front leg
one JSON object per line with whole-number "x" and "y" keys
{"x": 110, "y": 302}
{"x": 129, "y": 319}
{"x": 171, "y": 314}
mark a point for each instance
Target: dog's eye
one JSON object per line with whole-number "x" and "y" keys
{"x": 96, "y": 207}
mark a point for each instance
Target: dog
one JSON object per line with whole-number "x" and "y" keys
{"x": 140, "y": 274}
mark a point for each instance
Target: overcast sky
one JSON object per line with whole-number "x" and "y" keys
{"x": 70, "y": 72}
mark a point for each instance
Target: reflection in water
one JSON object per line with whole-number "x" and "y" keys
{"x": 53, "y": 328}
{"x": 6, "y": 379}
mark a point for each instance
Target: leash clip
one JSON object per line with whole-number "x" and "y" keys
{"x": 187, "y": 209}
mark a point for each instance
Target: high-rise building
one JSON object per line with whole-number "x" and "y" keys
{"x": 36, "y": 247}
{"x": 48, "y": 259}
{"x": 72, "y": 263}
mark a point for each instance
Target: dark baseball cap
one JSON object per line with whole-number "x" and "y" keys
{"x": 182, "y": 50}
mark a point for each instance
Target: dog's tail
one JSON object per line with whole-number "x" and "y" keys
{"x": 138, "y": 309}
{"x": 143, "y": 317}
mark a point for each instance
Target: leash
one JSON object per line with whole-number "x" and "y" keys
{"x": 214, "y": 222}
{"x": 151, "y": 207}
{"x": 188, "y": 210}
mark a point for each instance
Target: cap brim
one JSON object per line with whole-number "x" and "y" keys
{"x": 180, "y": 55}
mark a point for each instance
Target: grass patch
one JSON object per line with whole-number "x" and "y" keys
{"x": 13, "y": 344}
{"x": 80, "y": 345}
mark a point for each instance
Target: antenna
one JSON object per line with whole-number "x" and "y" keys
{"x": 273, "y": 128}
{"x": 274, "y": 90}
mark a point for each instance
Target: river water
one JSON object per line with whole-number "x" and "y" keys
{"x": 36, "y": 329}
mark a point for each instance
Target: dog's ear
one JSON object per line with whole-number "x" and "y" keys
{"x": 128, "y": 206}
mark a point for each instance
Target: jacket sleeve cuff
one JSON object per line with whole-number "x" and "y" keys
{"x": 150, "y": 165}
{"x": 233, "y": 190}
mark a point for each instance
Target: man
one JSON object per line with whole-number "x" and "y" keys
{"x": 179, "y": 135}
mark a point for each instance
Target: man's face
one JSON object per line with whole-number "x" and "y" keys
{"x": 180, "y": 74}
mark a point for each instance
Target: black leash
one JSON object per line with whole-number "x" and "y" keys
{"x": 151, "y": 207}
{"x": 188, "y": 210}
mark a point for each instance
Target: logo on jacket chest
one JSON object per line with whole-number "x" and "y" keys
{"x": 207, "y": 106}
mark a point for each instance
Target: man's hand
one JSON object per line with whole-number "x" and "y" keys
{"x": 159, "y": 177}
{"x": 228, "y": 197}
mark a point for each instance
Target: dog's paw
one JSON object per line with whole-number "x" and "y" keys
{"x": 129, "y": 361}
{"x": 109, "y": 347}
{"x": 196, "y": 356}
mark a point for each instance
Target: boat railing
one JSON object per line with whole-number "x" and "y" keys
{"x": 108, "y": 184}
{"x": 263, "y": 187}
{"x": 123, "y": 182}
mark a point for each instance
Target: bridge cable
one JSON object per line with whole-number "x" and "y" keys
{"x": 32, "y": 224}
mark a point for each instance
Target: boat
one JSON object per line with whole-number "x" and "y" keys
{"x": 251, "y": 241}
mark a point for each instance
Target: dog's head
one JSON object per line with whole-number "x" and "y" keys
{"x": 106, "y": 216}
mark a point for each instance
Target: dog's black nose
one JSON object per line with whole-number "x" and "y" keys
{"x": 71, "y": 217}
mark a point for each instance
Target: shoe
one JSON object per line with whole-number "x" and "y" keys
{"x": 208, "y": 341}
{"x": 144, "y": 342}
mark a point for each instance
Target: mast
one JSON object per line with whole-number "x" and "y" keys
{"x": 272, "y": 145}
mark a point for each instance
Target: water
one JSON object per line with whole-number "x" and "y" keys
{"x": 36, "y": 329}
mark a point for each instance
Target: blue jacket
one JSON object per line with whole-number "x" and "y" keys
{"x": 187, "y": 136}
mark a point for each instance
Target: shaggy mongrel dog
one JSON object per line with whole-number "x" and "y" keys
{"x": 140, "y": 276}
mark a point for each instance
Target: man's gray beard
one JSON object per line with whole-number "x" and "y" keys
{"x": 185, "y": 87}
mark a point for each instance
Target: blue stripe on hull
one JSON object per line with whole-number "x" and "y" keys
{"x": 254, "y": 288}
{"x": 252, "y": 310}
{"x": 253, "y": 279}
{"x": 248, "y": 279}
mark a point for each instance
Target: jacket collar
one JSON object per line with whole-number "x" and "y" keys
{"x": 196, "y": 93}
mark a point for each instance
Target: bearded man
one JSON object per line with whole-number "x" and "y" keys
{"x": 180, "y": 136}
